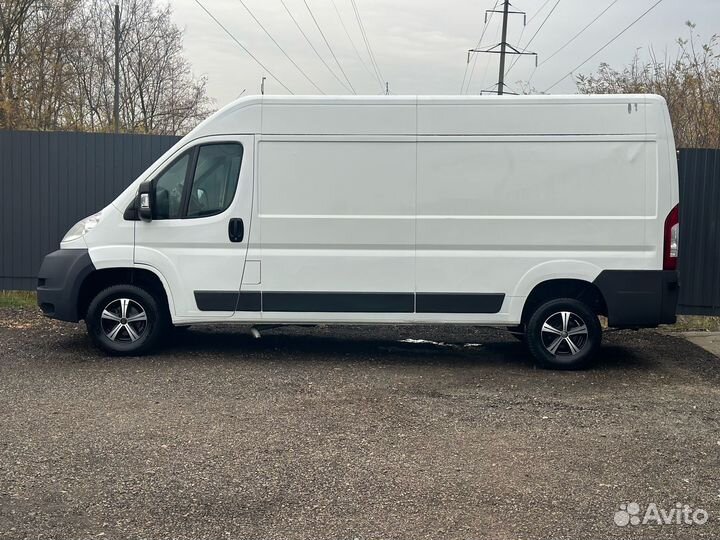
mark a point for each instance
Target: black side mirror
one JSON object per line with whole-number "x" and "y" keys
{"x": 144, "y": 201}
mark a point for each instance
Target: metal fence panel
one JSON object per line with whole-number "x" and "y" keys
{"x": 50, "y": 180}
{"x": 699, "y": 262}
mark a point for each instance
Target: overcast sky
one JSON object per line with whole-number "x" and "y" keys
{"x": 420, "y": 45}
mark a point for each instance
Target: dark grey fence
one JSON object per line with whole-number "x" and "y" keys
{"x": 50, "y": 180}
{"x": 699, "y": 262}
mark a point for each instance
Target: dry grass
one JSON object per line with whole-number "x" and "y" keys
{"x": 16, "y": 299}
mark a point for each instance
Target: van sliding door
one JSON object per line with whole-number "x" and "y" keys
{"x": 337, "y": 218}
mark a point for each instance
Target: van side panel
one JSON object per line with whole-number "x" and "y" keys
{"x": 337, "y": 226}
{"x": 531, "y": 115}
{"x": 539, "y": 178}
{"x": 363, "y": 116}
{"x": 500, "y": 214}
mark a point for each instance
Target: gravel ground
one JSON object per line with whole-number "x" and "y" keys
{"x": 344, "y": 433}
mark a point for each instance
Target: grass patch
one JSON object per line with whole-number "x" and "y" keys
{"x": 17, "y": 299}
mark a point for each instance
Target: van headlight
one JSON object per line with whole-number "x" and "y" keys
{"x": 82, "y": 227}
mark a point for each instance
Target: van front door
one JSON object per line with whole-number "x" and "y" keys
{"x": 198, "y": 238}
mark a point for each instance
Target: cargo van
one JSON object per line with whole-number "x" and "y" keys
{"x": 535, "y": 213}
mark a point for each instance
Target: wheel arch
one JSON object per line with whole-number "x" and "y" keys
{"x": 577, "y": 289}
{"x": 103, "y": 278}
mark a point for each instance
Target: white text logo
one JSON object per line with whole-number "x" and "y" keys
{"x": 680, "y": 514}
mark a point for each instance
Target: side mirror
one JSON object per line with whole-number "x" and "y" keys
{"x": 144, "y": 201}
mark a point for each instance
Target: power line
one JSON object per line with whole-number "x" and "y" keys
{"x": 297, "y": 24}
{"x": 373, "y": 60}
{"x": 243, "y": 47}
{"x": 531, "y": 19}
{"x": 352, "y": 42}
{"x": 280, "y": 47}
{"x": 363, "y": 32}
{"x": 522, "y": 32}
{"x": 572, "y": 39}
{"x": 579, "y": 33}
{"x": 656, "y": 4}
{"x": 482, "y": 35}
{"x": 535, "y": 34}
{"x": 328, "y": 45}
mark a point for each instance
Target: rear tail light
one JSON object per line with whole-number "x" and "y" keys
{"x": 671, "y": 239}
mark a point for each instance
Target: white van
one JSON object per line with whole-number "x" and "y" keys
{"x": 534, "y": 213}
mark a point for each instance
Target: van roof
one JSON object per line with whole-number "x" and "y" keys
{"x": 442, "y": 115}
{"x": 460, "y": 99}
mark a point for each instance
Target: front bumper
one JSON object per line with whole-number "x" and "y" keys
{"x": 59, "y": 280}
{"x": 639, "y": 298}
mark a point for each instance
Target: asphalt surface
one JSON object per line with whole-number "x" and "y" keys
{"x": 344, "y": 433}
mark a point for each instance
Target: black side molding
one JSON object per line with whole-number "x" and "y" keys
{"x": 228, "y": 301}
{"x": 338, "y": 302}
{"x": 348, "y": 302}
{"x": 639, "y": 298}
{"x": 459, "y": 303}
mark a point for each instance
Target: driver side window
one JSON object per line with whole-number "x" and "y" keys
{"x": 215, "y": 179}
{"x": 200, "y": 183}
{"x": 169, "y": 187}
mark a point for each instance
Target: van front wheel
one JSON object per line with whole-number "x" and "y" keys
{"x": 125, "y": 320}
{"x": 563, "y": 334}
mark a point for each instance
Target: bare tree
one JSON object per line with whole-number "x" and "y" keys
{"x": 57, "y": 67}
{"x": 13, "y": 15}
{"x": 47, "y": 76}
{"x": 689, "y": 81}
{"x": 160, "y": 94}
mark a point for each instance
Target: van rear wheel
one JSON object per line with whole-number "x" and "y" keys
{"x": 563, "y": 334}
{"x": 125, "y": 320}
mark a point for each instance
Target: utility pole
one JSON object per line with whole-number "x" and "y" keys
{"x": 262, "y": 86}
{"x": 503, "y": 48}
{"x": 116, "y": 100}
{"x": 387, "y": 88}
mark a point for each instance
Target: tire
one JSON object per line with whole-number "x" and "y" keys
{"x": 115, "y": 320}
{"x": 574, "y": 339}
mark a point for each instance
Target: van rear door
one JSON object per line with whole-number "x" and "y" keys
{"x": 197, "y": 240}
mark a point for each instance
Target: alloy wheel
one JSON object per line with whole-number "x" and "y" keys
{"x": 124, "y": 320}
{"x": 564, "y": 334}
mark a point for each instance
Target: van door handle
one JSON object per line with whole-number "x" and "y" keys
{"x": 236, "y": 230}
